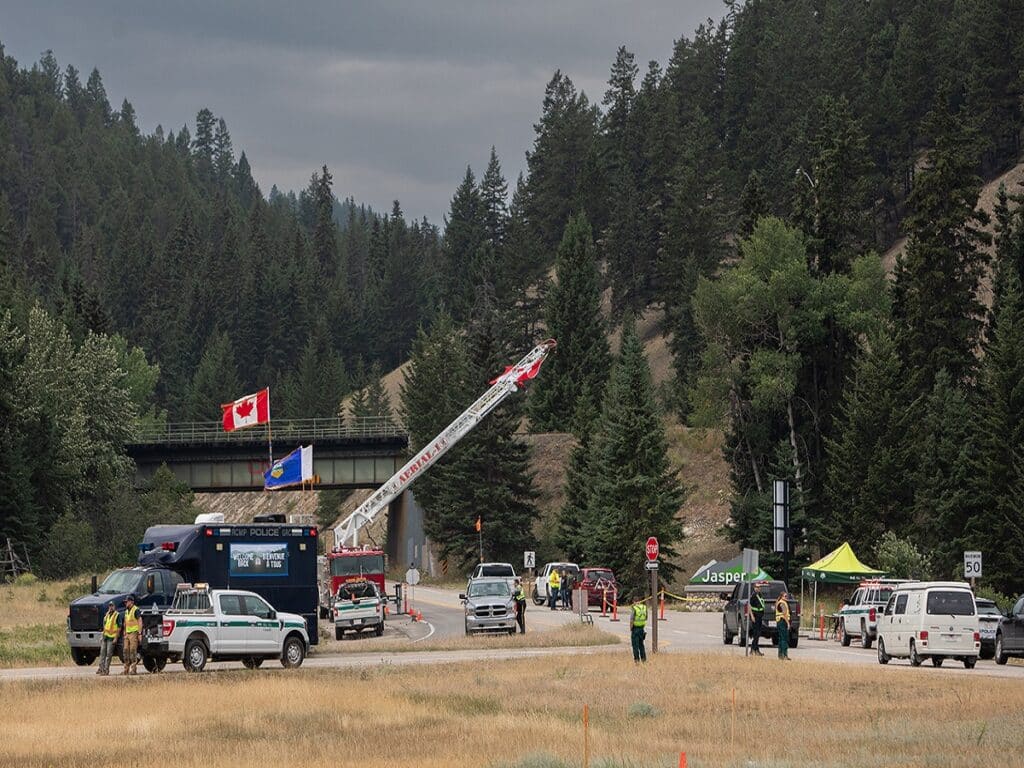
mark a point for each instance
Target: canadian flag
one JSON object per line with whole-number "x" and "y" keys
{"x": 247, "y": 411}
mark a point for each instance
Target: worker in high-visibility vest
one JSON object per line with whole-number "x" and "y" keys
{"x": 132, "y": 632}
{"x": 638, "y": 631}
{"x": 520, "y": 597}
{"x": 554, "y": 587}
{"x": 782, "y": 620}
{"x": 111, "y": 629}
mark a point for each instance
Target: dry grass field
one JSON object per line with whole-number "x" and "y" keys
{"x": 32, "y": 622}
{"x": 523, "y": 713}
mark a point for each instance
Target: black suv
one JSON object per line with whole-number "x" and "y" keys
{"x": 1010, "y": 634}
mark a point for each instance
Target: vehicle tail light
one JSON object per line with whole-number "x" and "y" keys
{"x": 168, "y": 627}
{"x": 872, "y": 615}
{"x": 798, "y": 609}
{"x": 977, "y": 637}
{"x": 335, "y": 610}
{"x": 924, "y": 637}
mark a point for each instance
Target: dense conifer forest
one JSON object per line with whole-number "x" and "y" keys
{"x": 745, "y": 186}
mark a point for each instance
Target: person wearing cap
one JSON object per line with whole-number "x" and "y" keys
{"x": 111, "y": 629}
{"x": 132, "y": 630}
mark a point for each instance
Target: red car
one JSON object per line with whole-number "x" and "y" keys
{"x": 599, "y": 582}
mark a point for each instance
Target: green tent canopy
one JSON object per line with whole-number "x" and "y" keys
{"x": 840, "y": 566}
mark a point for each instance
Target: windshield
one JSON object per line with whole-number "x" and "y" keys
{"x": 770, "y": 591}
{"x": 496, "y": 570}
{"x": 121, "y": 583}
{"x": 357, "y": 590}
{"x": 948, "y": 602}
{"x": 599, "y": 574}
{"x": 988, "y": 609}
{"x": 489, "y": 589}
{"x": 357, "y": 565}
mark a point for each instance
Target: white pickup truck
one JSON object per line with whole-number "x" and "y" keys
{"x": 540, "y": 587}
{"x": 226, "y": 625}
{"x": 358, "y": 606}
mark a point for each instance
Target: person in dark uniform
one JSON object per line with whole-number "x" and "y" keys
{"x": 520, "y": 597}
{"x": 757, "y": 616}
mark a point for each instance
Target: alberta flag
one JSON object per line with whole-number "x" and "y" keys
{"x": 293, "y": 469}
{"x": 247, "y": 411}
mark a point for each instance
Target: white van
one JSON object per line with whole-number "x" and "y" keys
{"x": 930, "y": 620}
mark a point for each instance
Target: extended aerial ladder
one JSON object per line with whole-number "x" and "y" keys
{"x": 515, "y": 377}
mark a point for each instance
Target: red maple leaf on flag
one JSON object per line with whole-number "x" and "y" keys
{"x": 244, "y": 409}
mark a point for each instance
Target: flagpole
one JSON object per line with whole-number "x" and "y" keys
{"x": 270, "y": 438}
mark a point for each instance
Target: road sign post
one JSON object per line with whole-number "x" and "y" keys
{"x": 412, "y": 578}
{"x": 652, "y": 550}
{"x": 972, "y": 566}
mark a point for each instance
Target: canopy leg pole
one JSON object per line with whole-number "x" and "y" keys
{"x": 814, "y": 609}
{"x": 802, "y": 592}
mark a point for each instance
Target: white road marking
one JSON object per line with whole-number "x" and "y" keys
{"x": 426, "y": 635}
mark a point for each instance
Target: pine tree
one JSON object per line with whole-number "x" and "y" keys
{"x": 325, "y": 232}
{"x": 465, "y": 234}
{"x": 634, "y": 493}
{"x": 573, "y": 318}
{"x": 215, "y": 380}
{"x": 493, "y": 202}
{"x": 372, "y": 401}
{"x": 938, "y": 277}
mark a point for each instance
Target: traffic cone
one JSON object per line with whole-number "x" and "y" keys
{"x": 615, "y": 607}
{"x": 661, "y": 614}
{"x": 604, "y": 603}
{"x": 682, "y": 760}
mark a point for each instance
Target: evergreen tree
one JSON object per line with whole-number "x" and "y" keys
{"x": 633, "y": 491}
{"x": 372, "y": 401}
{"x": 573, "y": 318}
{"x": 493, "y": 202}
{"x": 465, "y": 234}
{"x": 215, "y": 380}
{"x": 938, "y": 277}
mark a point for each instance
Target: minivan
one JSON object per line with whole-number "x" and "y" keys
{"x": 930, "y": 620}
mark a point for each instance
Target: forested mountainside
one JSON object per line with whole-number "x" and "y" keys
{"x": 745, "y": 187}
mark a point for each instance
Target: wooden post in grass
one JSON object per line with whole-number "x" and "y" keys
{"x": 586, "y": 736}
{"x": 734, "y": 717}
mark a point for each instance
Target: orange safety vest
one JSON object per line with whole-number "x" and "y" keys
{"x": 110, "y": 625}
{"x": 131, "y": 620}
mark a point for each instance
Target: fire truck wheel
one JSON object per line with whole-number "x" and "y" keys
{"x": 294, "y": 652}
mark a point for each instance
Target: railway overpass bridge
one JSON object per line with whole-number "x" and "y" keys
{"x": 347, "y": 454}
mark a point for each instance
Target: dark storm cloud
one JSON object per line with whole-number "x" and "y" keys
{"x": 395, "y": 97}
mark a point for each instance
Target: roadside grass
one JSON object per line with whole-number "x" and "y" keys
{"x": 33, "y": 616}
{"x": 566, "y": 636}
{"x": 526, "y": 713}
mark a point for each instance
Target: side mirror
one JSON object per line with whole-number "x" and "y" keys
{"x": 272, "y": 615}
{"x": 462, "y": 596}
{"x": 724, "y": 595}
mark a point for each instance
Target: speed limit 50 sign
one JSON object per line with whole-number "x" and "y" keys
{"x": 972, "y": 565}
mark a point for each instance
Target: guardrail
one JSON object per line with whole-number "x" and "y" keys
{"x": 281, "y": 429}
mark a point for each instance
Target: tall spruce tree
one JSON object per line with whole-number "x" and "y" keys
{"x": 634, "y": 493}
{"x": 573, "y": 318}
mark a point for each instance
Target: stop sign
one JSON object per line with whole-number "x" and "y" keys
{"x": 652, "y": 548}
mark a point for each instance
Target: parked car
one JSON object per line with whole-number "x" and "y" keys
{"x": 489, "y": 606}
{"x": 598, "y": 583}
{"x": 859, "y": 616}
{"x": 933, "y": 620}
{"x": 1010, "y": 634}
{"x": 358, "y": 606}
{"x": 735, "y": 614}
{"x": 540, "y": 586}
{"x": 989, "y": 616}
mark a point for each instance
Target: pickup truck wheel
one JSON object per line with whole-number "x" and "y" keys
{"x": 379, "y": 630}
{"x": 338, "y": 632}
{"x": 293, "y": 654}
{"x": 726, "y": 635}
{"x": 794, "y": 639}
{"x": 538, "y": 599}
{"x": 743, "y": 638}
{"x": 937, "y": 661}
{"x": 969, "y": 662}
{"x": 82, "y": 657}
{"x": 915, "y": 660}
{"x": 154, "y": 663}
{"x": 865, "y": 636}
{"x": 883, "y": 657}
{"x": 194, "y": 658}
{"x": 1000, "y": 657}
{"x": 844, "y": 638}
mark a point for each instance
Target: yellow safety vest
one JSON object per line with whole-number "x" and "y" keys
{"x": 782, "y": 611}
{"x": 131, "y": 620}
{"x": 110, "y": 625}
{"x": 554, "y": 580}
{"x": 639, "y": 615}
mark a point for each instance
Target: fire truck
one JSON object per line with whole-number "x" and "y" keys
{"x": 347, "y": 560}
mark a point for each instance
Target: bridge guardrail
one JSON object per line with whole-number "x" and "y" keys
{"x": 281, "y": 429}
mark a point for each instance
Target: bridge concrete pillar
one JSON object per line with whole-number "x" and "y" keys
{"x": 407, "y": 540}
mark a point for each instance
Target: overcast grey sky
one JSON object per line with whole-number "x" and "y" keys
{"x": 395, "y": 97}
